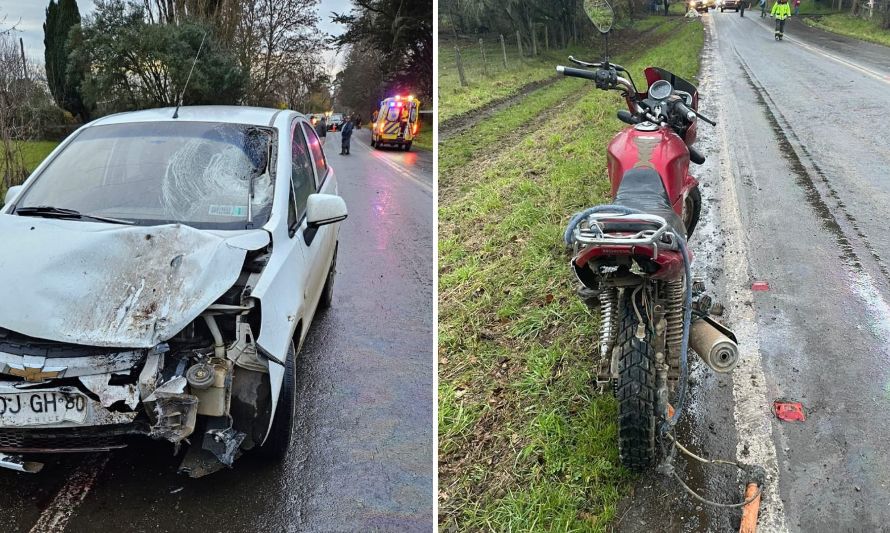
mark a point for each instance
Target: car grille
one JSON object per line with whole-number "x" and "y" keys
{"x": 65, "y": 440}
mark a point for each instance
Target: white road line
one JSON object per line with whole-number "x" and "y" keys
{"x": 54, "y": 519}
{"x": 379, "y": 156}
{"x": 751, "y": 412}
{"x": 817, "y": 50}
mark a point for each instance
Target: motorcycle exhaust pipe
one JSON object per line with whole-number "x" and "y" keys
{"x": 717, "y": 350}
{"x": 18, "y": 463}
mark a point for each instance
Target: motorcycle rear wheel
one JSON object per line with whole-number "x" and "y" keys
{"x": 636, "y": 388}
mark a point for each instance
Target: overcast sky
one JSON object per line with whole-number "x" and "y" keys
{"x": 29, "y": 16}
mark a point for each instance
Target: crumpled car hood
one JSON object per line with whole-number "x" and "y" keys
{"x": 112, "y": 285}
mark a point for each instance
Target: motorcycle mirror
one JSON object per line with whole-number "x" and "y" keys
{"x": 600, "y": 13}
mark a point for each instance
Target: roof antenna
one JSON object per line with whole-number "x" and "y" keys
{"x": 187, "y": 80}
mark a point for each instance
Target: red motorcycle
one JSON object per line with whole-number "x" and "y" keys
{"x": 633, "y": 255}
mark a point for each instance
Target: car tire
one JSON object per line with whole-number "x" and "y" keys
{"x": 407, "y": 147}
{"x": 327, "y": 293}
{"x": 277, "y": 444}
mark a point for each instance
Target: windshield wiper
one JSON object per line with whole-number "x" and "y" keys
{"x": 48, "y": 211}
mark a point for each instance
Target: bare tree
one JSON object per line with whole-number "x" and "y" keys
{"x": 18, "y": 86}
{"x": 275, "y": 39}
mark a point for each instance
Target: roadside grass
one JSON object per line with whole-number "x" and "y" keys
{"x": 455, "y": 100}
{"x": 850, "y": 26}
{"x": 812, "y": 7}
{"x": 525, "y": 443}
{"x": 33, "y": 153}
{"x": 458, "y": 150}
{"x": 424, "y": 139}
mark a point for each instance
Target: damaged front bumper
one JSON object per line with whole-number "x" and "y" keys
{"x": 93, "y": 403}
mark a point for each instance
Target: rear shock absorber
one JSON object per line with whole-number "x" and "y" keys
{"x": 608, "y": 332}
{"x": 674, "y": 293}
{"x": 608, "y": 321}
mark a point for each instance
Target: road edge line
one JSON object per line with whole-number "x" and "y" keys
{"x": 750, "y": 413}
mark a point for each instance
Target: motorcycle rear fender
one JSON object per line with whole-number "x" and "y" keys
{"x": 669, "y": 262}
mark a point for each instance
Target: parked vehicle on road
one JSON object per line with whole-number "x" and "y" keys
{"x": 165, "y": 272}
{"x": 398, "y": 122}
{"x": 730, "y": 4}
{"x": 335, "y": 121}
{"x": 632, "y": 256}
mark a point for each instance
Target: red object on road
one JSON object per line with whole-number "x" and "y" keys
{"x": 760, "y": 286}
{"x": 789, "y": 411}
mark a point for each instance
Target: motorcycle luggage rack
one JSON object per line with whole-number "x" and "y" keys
{"x": 654, "y": 232}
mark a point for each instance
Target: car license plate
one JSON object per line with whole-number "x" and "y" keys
{"x": 42, "y": 407}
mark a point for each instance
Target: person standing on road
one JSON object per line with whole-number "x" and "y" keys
{"x": 322, "y": 130}
{"x": 742, "y": 5}
{"x": 796, "y": 7}
{"x": 762, "y": 8}
{"x": 345, "y": 137}
{"x": 781, "y": 10}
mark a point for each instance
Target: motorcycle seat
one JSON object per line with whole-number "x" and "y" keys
{"x": 643, "y": 190}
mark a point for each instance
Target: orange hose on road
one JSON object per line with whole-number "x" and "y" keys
{"x": 750, "y": 511}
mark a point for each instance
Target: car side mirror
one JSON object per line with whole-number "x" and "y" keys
{"x": 11, "y": 193}
{"x": 323, "y": 209}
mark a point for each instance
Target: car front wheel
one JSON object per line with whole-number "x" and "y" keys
{"x": 278, "y": 442}
{"x": 327, "y": 294}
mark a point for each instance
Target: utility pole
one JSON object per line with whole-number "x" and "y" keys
{"x": 24, "y": 63}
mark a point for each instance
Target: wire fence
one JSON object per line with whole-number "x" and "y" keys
{"x": 468, "y": 59}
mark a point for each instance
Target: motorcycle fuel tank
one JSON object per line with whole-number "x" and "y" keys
{"x": 654, "y": 148}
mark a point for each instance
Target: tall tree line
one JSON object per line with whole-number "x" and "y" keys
{"x": 132, "y": 54}
{"x": 389, "y": 46}
{"x": 564, "y": 18}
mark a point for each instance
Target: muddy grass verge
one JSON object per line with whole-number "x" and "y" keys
{"x": 623, "y": 39}
{"x": 525, "y": 441}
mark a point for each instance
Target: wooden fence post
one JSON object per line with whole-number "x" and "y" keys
{"x": 460, "y": 67}
{"x": 534, "y": 40}
{"x": 546, "y": 37}
{"x": 519, "y": 43}
{"x": 484, "y": 59}
{"x": 504, "y": 50}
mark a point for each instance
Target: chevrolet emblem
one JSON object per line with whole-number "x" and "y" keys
{"x": 31, "y": 373}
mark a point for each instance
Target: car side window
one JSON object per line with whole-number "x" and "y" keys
{"x": 291, "y": 210}
{"x": 302, "y": 177}
{"x": 321, "y": 164}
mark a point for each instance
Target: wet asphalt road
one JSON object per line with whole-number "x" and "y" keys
{"x": 362, "y": 459}
{"x": 802, "y": 162}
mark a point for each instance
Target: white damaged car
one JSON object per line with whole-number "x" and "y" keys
{"x": 159, "y": 277}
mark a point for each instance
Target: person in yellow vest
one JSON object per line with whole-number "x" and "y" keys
{"x": 781, "y": 10}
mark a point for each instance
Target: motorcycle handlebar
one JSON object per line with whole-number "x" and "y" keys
{"x": 576, "y": 72}
{"x": 596, "y": 64}
{"x": 604, "y": 78}
{"x": 690, "y": 114}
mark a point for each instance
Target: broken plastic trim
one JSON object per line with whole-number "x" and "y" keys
{"x": 18, "y": 463}
{"x": 269, "y": 356}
